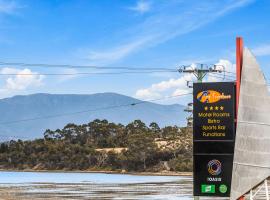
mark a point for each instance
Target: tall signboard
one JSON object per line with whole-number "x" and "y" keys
{"x": 213, "y": 137}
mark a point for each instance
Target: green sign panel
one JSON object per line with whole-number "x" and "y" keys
{"x": 208, "y": 189}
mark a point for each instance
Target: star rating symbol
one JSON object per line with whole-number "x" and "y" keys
{"x": 221, "y": 108}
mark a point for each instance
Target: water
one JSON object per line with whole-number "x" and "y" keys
{"x": 44, "y": 185}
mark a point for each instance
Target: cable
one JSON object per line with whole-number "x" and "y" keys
{"x": 88, "y": 73}
{"x": 230, "y": 72}
{"x": 213, "y": 65}
{"x": 223, "y": 78}
{"x": 223, "y": 74}
{"x": 77, "y": 66}
{"x": 163, "y": 98}
{"x": 91, "y": 110}
{"x": 87, "y": 66}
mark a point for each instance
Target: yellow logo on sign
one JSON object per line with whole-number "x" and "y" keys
{"x": 211, "y": 96}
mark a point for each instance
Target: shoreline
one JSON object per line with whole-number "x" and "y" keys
{"x": 163, "y": 173}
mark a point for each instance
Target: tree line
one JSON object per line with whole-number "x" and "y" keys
{"x": 103, "y": 145}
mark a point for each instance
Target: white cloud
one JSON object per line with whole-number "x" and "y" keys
{"x": 142, "y": 6}
{"x": 226, "y": 65}
{"x": 8, "y": 7}
{"x": 172, "y": 83}
{"x": 179, "y": 92}
{"x": 116, "y": 53}
{"x": 174, "y": 86}
{"x": 227, "y": 74}
{"x": 262, "y": 50}
{"x": 19, "y": 80}
{"x": 168, "y": 20}
{"x": 147, "y": 94}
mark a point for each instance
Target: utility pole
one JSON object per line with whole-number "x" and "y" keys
{"x": 199, "y": 73}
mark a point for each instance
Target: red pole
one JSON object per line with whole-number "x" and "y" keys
{"x": 239, "y": 62}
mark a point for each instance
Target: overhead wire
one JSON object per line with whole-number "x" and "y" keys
{"x": 145, "y": 70}
{"x": 125, "y": 70}
{"x": 91, "y": 110}
{"x": 137, "y": 70}
{"x": 222, "y": 78}
{"x": 22, "y": 64}
{"x": 229, "y": 72}
{"x": 88, "y": 73}
{"x": 223, "y": 75}
{"x": 130, "y": 70}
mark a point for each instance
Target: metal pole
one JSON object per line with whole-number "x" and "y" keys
{"x": 266, "y": 189}
{"x": 251, "y": 195}
{"x": 200, "y": 76}
{"x": 239, "y": 61}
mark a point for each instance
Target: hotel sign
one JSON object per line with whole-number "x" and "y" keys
{"x": 213, "y": 137}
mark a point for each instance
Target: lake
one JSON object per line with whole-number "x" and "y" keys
{"x": 46, "y": 185}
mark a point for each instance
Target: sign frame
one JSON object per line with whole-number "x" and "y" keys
{"x": 214, "y": 127}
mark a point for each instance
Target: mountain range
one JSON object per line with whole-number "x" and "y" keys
{"x": 28, "y": 116}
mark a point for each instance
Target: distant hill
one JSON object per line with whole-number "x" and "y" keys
{"x": 41, "y": 105}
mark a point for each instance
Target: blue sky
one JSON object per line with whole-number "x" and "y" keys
{"x": 130, "y": 33}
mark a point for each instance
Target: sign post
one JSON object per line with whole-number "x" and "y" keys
{"x": 213, "y": 139}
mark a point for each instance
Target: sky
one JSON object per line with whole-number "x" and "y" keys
{"x": 130, "y": 33}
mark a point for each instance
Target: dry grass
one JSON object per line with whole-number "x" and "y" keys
{"x": 113, "y": 150}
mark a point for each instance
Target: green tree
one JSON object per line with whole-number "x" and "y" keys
{"x": 154, "y": 127}
{"x": 141, "y": 148}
